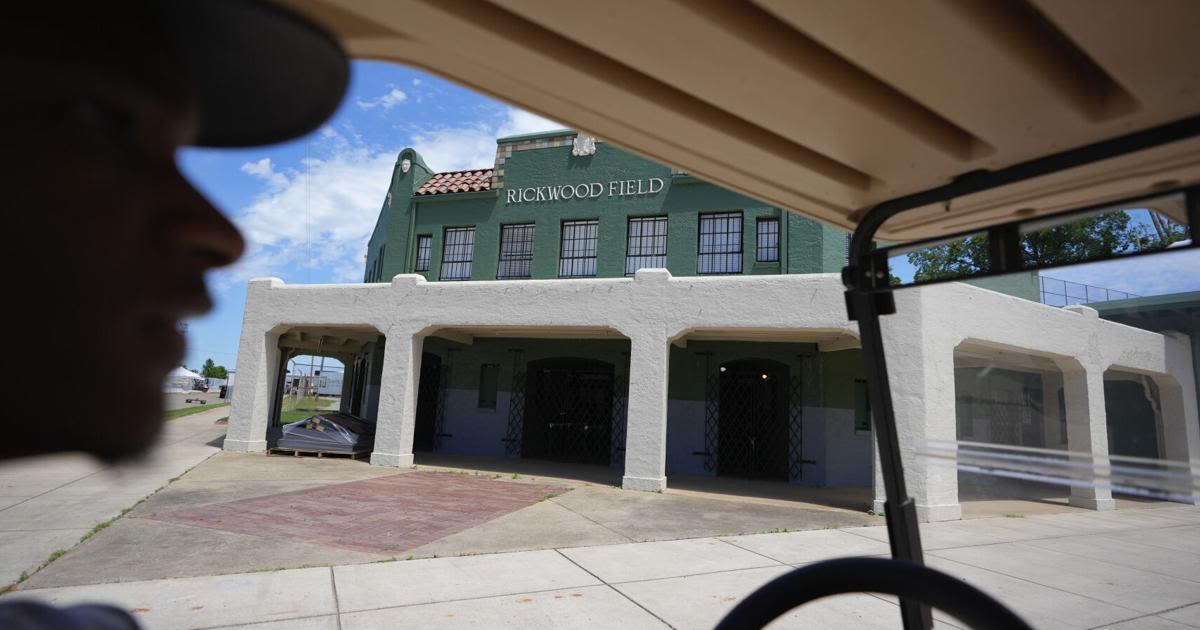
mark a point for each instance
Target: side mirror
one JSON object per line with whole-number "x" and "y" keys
{"x": 1127, "y": 228}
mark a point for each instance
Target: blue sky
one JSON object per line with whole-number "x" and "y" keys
{"x": 307, "y": 207}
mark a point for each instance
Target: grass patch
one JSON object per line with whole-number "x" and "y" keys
{"x": 173, "y": 414}
{"x": 297, "y": 409}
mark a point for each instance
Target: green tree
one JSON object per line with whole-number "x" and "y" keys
{"x": 212, "y": 370}
{"x": 1088, "y": 239}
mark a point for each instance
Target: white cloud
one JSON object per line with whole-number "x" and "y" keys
{"x": 316, "y": 218}
{"x": 416, "y": 82}
{"x": 264, "y": 169}
{"x": 311, "y": 223}
{"x": 386, "y": 101}
{"x": 521, "y": 122}
{"x": 474, "y": 146}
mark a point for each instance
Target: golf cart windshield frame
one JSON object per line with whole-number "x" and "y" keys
{"x": 869, "y": 295}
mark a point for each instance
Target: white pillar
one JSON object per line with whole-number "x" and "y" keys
{"x": 258, "y": 370}
{"x": 880, "y": 495}
{"x": 398, "y": 399}
{"x": 1181, "y": 427}
{"x": 646, "y": 432}
{"x": 921, "y": 372}
{"x": 1087, "y": 430}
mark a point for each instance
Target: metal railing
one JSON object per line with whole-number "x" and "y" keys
{"x": 1058, "y": 292}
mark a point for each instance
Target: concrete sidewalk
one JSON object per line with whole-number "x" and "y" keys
{"x": 48, "y": 504}
{"x": 1124, "y": 569}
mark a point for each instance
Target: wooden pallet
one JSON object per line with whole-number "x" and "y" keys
{"x": 318, "y": 454}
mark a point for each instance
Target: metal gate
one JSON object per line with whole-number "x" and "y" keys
{"x": 568, "y": 411}
{"x": 430, "y": 403}
{"x": 753, "y": 421}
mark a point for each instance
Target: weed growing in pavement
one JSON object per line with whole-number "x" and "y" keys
{"x": 496, "y": 476}
{"x": 516, "y": 476}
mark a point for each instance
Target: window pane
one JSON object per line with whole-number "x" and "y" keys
{"x": 458, "y": 253}
{"x": 768, "y": 240}
{"x": 578, "y": 249}
{"x": 647, "y": 244}
{"x": 720, "y": 247}
{"x": 516, "y": 251}
{"x": 424, "y": 252}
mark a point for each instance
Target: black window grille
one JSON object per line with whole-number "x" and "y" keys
{"x": 646, "y": 244}
{"x": 577, "y": 258}
{"x": 516, "y": 251}
{"x": 720, "y": 249}
{"x": 458, "y": 251}
{"x": 768, "y": 240}
{"x": 424, "y": 252}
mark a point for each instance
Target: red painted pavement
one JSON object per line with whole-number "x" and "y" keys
{"x": 382, "y": 515}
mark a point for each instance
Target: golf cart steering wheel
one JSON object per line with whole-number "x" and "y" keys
{"x": 874, "y": 575}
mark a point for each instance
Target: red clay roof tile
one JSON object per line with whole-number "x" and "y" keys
{"x": 457, "y": 182}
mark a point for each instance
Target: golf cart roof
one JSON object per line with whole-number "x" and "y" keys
{"x": 828, "y": 108}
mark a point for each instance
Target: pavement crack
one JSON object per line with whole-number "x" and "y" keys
{"x": 616, "y": 590}
{"x": 761, "y": 555}
{"x": 337, "y": 605}
{"x": 591, "y": 520}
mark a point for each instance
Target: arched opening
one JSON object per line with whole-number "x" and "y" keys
{"x": 428, "y": 401}
{"x": 568, "y": 410}
{"x": 753, "y": 419}
{"x": 1131, "y": 407}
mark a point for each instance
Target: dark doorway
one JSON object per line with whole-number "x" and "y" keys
{"x": 752, "y": 438}
{"x": 568, "y": 410}
{"x": 1132, "y": 423}
{"x": 429, "y": 395}
{"x": 358, "y": 386}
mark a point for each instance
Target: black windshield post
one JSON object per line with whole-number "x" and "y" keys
{"x": 869, "y": 296}
{"x": 866, "y": 306}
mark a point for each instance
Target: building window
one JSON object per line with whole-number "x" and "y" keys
{"x": 646, "y": 246}
{"x": 424, "y": 252}
{"x": 577, "y": 258}
{"x": 862, "y": 406}
{"x": 720, "y": 243}
{"x": 516, "y": 251}
{"x": 458, "y": 250}
{"x": 768, "y": 240}
{"x": 489, "y": 384}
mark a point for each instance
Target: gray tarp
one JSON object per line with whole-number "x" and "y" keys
{"x": 325, "y": 432}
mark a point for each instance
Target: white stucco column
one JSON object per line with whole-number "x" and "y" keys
{"x": 258, "y": 370}
{"x": 1087, "y": 429}
{"x": 880, "y": 496}
{"x": 920, "y": 356}
{"x": 646, "y": 432}
{"x": 1181, "y": 427}
{"x": 398, "y": 398}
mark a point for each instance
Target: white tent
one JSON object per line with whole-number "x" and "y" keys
{"x": 180, "y": 379}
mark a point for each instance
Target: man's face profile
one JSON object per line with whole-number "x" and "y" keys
{"x": 109, "y": 242}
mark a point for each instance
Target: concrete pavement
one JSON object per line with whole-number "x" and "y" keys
{"x": 49, "y": 503}
{"x": 1125, "y": 569}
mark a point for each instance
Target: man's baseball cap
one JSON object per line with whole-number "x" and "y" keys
{"x": 262, "y": 74}
{"x": 259, "y": 73}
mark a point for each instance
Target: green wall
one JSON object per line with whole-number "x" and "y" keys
{"x": 835, "y": 372}
{"x": 805, "y": 245}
